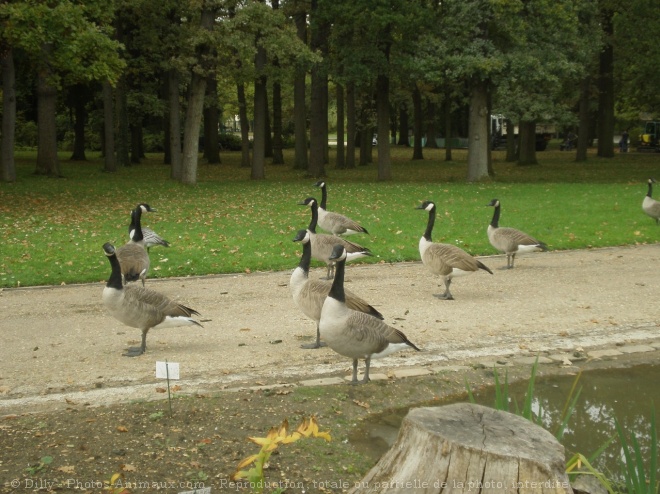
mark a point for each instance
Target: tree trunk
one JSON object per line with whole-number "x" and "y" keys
{"x": 478, "y": 145}
{"x": 430, "y": 126}
{"x": 80, "y": 114}
{"x": 8, "y": 115}
{"x": 527, "y": 147}
{"x": 446, "y": 106}
{"x": 278, "y": 155}
{"x": 175, "y": 125}
{"x": 341, "y": 161}
{"x": 122, "y": 133}
{"x": 469, "y": 448}
{"x": 191, "y": 129}
{"x": 417, "y": 125}
{"x": 351, "y": 126}
{"x": 606, "y": 90}
{"x": 511, "y": 145}
{"x": 403, "y": 126}
{"x": 211, "y": 122}
{"x": 136, "y": 143}
{"x": 110, "y": 160}
{"x": 194, "y": 112}
{"x": 260, "y": 110}
{"x": 583, "y": 130}
{"x": 245, "y": 126}
{"x": 318, "y": 138}
{"x": 167, "y": 152}
{"x": 47, "y": 160}
{"x": 301, "y": 161}
{"x": 383, "y": 116}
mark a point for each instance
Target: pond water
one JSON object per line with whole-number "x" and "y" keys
{"x": 625, "y": 394}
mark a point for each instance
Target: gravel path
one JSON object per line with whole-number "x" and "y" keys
{"x": 59, "y": 342}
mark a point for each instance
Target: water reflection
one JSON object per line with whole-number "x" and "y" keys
{"x": 626, "y": 394}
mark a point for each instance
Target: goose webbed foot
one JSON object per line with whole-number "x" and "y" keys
{"x": 444, "y": 296}
{"x": 313, "y": 346}
{"x": 317, "y": 344}
{"x": 134, "y": 351}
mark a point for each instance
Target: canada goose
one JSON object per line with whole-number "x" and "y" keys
{"x": 354, "y": 334}
{"x": 133, "y": 257}
{"x": 310, "y": 294}
{"x": 322, "y": 244}
{"x": 445, "y": 260}
{"x": 650, "y": 205}
{"x": 335, "y": 223}
{"x": 151, "y": 238}
{"x": 509, "y": 240}
{"x": 139, "y": 307}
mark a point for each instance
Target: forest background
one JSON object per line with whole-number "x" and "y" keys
{"x": 125, "y": 78}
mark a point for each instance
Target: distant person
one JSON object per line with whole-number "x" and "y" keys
{"x": 623, "y": 142}
{"x": 569, "y": 141}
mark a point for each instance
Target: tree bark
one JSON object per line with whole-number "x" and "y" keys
{"x": 606, "y": 89}
{"x": 80, "y": 115}
{"x": 446, "y": 106}
{"x": 260, "y": 110}
{"x": 478, "y": 145}
{"x": 245, "y": 126}
{"x": 136, "y": 143}
{"x": 121, "y": 122}
{"x": 301, "y": 161}
{"x": 194, "y": 112}
{"x": 318, "y": 138}
{"x": 341, "y": 160}
{"x": 211, "y": 122}
{"x": 527, "y": 144}
{"x": 469, "y": 448}
{"x": 278, "y": 155}
{"x": 109, "y": 158}
{"x": 176, "y": 157}
{"x": 47, "y": 159}
{"x": 403, "y": 126}
{"x": 8, "y": 115}
{"x": 417, "y": 125}
{"x": 383, "y": 115}
{"x": 511, "y": 145}
{"x": 351, "y": 126}
{"x": 430, "y": 126}
{"x": 583, "y": 130}
{"x": 191, "y": 129}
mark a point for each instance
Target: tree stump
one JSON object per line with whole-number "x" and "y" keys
{"x": 469, "y": 448}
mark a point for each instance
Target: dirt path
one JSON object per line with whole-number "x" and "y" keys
{"x": 60, "y": 342}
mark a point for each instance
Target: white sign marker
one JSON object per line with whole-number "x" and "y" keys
{"x": 165, "y": 370}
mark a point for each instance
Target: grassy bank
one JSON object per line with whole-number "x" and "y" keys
{"x": 53, "y": 229}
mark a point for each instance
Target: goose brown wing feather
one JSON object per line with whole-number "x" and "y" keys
{"x": 516, "y": 237}
{"x": 449, "y": 257}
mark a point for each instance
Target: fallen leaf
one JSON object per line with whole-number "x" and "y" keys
{"x": 127, "y": 468}
{"x": 67, "y": 469}
{"x": 176, "y": 387}
{"x": 283, "y": 392}
{"x": 161, "y": 390}
{"x": 206, "y": 441}
{"x": 122, "y": 428}
{"x": 361, "y": 404}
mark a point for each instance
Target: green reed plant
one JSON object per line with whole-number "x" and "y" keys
{"x": 640, "y": 477}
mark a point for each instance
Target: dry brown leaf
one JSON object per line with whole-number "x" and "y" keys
{"x": 206, "y": 441}
{"x": 361, "y": 404}
{"x": 283, "y": 392}
{"x": 122, "y": 428}
{"x": 176, "y": 387}
{"x": 161, "y": 390}
{"x": 67, "y": 469}
{"x": 127, "y": 468}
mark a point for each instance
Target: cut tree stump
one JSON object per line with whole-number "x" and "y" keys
{"x": 469, "y": 448}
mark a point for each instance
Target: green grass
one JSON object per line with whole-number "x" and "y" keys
{"x": 53, "y": 229}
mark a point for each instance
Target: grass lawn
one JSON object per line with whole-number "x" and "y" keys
{"x": 53, "y": 229}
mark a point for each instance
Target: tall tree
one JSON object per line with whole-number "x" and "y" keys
{"x": 64, "y": 41}
{"x": 196, "y": 94}
{"x": 8, "y": 165}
